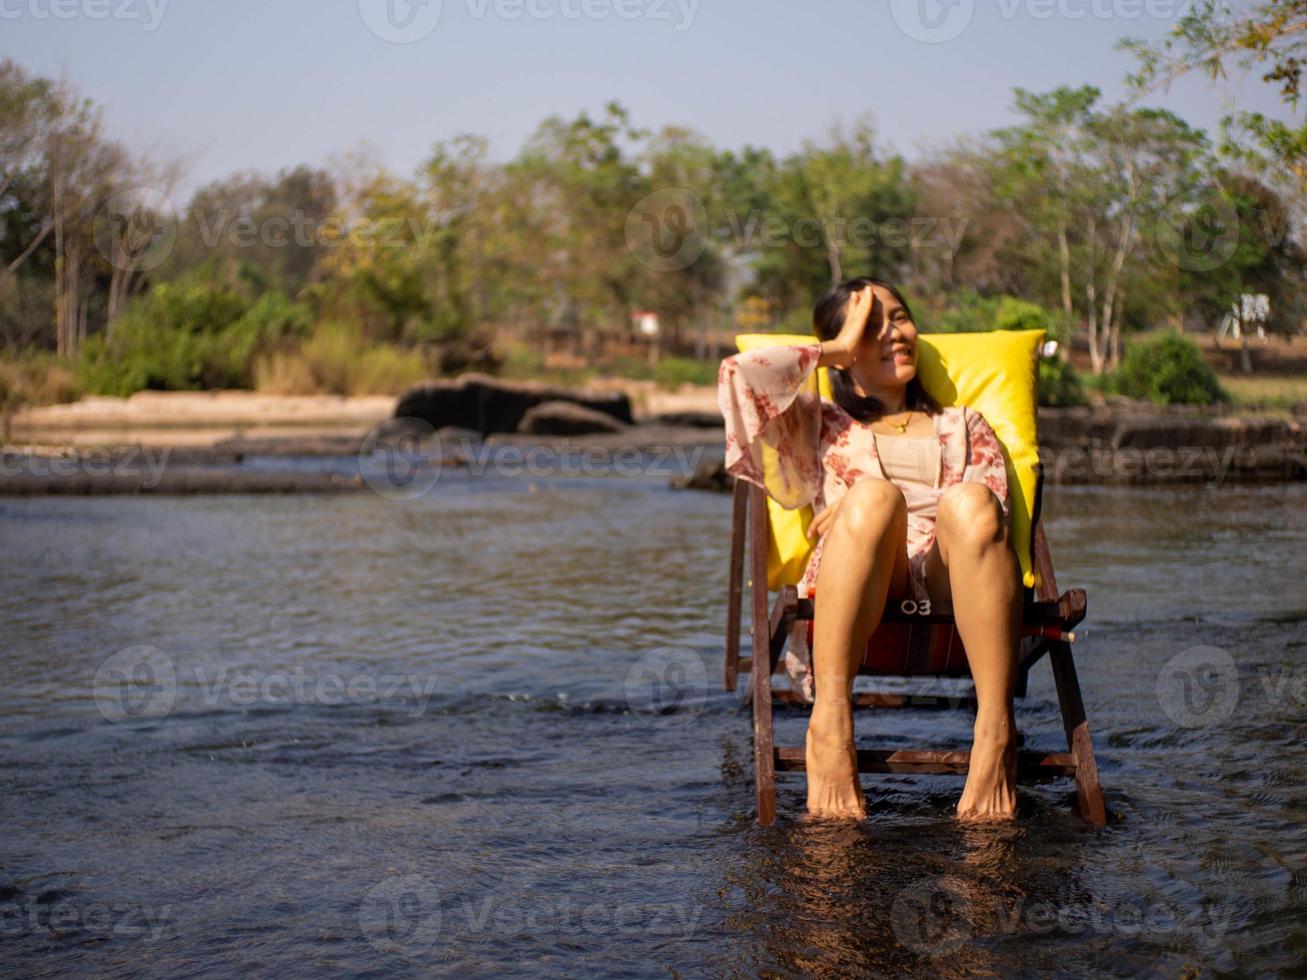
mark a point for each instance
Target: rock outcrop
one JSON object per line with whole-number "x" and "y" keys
{"x": 487, "y": 404}
{"x": 560, "y": 418}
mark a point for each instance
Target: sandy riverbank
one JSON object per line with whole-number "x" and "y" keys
{"x": 244, "y": 442}
{"x": 199, "y": 419}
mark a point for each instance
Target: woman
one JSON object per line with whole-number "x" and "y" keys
{"x": 911, "y": 501}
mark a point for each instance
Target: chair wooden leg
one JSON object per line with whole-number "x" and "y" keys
{"x": 734, "y": 603}
{"x": 764, "y": 760}
{"x": 1089, "y": 794}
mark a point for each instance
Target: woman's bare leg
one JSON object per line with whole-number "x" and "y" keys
{"x": 863, "y": 556}
{"x": 973, "y": 552}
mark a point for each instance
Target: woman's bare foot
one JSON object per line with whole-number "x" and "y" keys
{"x": 832, "y": 761}
{"x": 991, "y": 789}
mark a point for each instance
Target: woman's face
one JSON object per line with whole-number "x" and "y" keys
{"x": 887, "y": 354}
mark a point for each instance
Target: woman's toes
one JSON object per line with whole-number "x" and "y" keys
{"x": 990, "y": 791}
{"x": 831, "y": 757}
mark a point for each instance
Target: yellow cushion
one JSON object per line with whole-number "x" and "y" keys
{"x": 994, "y": 373}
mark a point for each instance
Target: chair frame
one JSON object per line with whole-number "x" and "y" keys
{"x": 1047, "y": 619}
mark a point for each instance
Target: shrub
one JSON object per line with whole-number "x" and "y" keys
{"x": 626, "y": 366}
{"x": 672, "y": 372}
{"x": 969, "y": 312}
{"x": 388, "y": 370}
{"x": 1168, "y": 370}
{"x": 36, "y": 379}
{"x": 187, "y": 336}
{"x": 1059, "y": 383}
{"x": 1020, "y": 314}
{"x": 337, "y": 360}
{"x": 284, "y": 373}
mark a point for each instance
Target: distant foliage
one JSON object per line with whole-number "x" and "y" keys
{"x": 1059, "y": 384}
{"x": 336, "y": 360}
{"x": 1168, "y": 370}
{"x": 189, "y": 336}
{"x": 672, "y": 372}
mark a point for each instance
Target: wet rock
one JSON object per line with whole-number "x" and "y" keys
{"x": 566, "y": 419}
{"x": 487, "y": 404}
{"x": 697, "y": 420}
{"x": 709, "y": 474}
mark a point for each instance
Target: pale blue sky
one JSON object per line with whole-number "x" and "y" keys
{"x": 263, "y": 84}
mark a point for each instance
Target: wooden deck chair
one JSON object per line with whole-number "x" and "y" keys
{"x": 994, "y": 373}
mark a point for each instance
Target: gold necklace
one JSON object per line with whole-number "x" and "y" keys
{"x": 902, "y": 427}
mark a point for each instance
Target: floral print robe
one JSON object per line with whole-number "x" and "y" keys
{"x": 768, "y": 396}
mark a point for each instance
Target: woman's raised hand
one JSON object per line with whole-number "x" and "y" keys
{"x": 822, "y": 522}
{"x": 839, "y": 352}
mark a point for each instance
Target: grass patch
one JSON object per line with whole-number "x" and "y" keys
{"x": 32, "y": 380}
{"x": 1280, "y": 392}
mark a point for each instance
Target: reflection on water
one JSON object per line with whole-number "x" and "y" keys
{"x": 480, "y": 732}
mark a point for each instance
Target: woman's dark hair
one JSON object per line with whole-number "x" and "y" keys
{"x": 827, "y": 321}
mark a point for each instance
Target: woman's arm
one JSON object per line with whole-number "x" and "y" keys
{"x": 985, "y": 462}
{"x": 769, "y": 401}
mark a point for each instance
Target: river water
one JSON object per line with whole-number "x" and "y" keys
{"x": 482, "y": 732}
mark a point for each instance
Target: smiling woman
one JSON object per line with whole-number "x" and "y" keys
{"x": 911, "y": 501}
